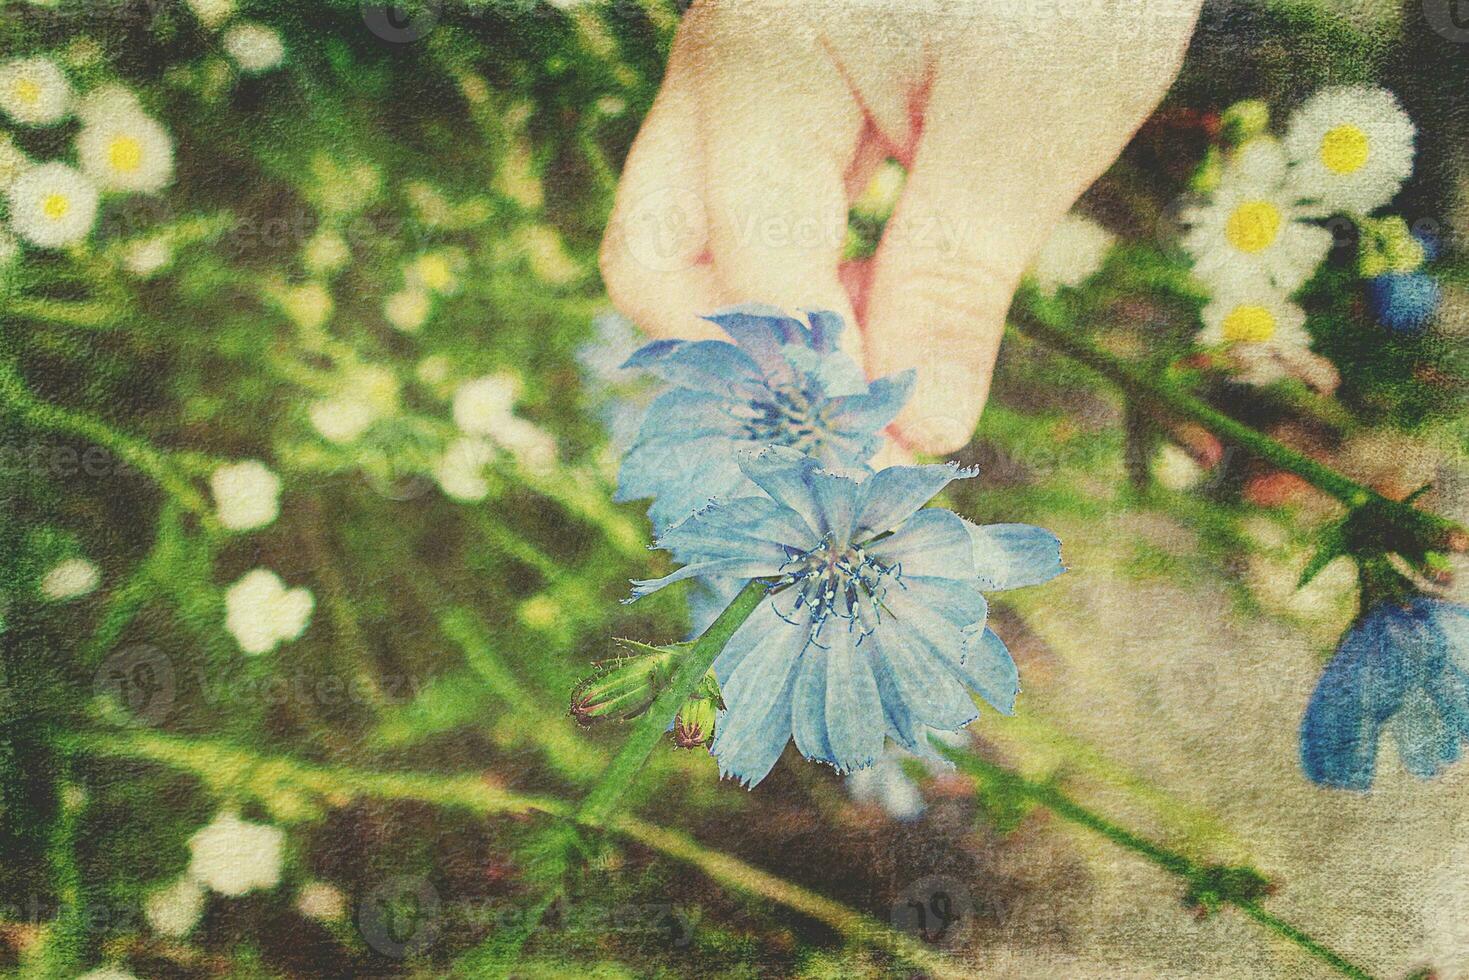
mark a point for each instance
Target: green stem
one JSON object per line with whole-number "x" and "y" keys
{"x": 1429, "y": 528}
{"x": 1169, "y": 860}
{"x": 17, "y": 400}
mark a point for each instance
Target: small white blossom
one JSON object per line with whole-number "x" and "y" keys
{"x": 127, "y": 152}
{"x": 246, "y": 495}
{"x": 408, "y": 309}
{"x": 460, "y": 471}
{"x": 325, "y": 253}
{"x": 173, "y": 911}
{"x": 212, "y": 13}
{"x": 1351, "y": 147}
{"x": 233, "y": 856}
{"x": 483, "y": 404}
{"x": 254, "y": 47}
{"x": 146, "y": 257}
{"x": 261, "y": 613}
{"x": 52, "y": 205}
{"x": 70, "y": 579}
{"x": 321, "y": 901}
{"x": 33, "y": 91}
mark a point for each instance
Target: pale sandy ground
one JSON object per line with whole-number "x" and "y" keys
{"x": 1180, "y": 688}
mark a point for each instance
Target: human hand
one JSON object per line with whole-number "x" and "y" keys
{"x": 774, "y": 115}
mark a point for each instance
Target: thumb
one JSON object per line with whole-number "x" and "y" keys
{"x": 1018, "y": 123}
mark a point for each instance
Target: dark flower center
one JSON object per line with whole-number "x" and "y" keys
{"x": 787, "y": 416}
{"x": 837, "y": 580}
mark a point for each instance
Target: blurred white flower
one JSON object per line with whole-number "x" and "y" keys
{"x": 1351, "y": 147}
{"x": 52, "y": 205}
{"x": 321, "y": 901}
{"x": 13, "y": 162}
{"x": 436, "y": 271}
{"x": 147, "y": 256}
{"x": 309, "y": 304}
{"x": 246, "y": 494}
{"x": 254, "y": 47}
{"x": 1072, "y": 255}
{"x": 127, "y": 152}
{"x": 70, "y": 579}
{"x": 366, "y": 394}
{"x": 108, "y": 101}
{"x": 483, "y": 404}
{"x": 433, "y": 370}
{"x": 212, "y": 13}
{"x": 886, "y": 784}
{"x": 33, "y": 91}
{"x": 261, "y": 613}
{"x": 460, "y": 472}
{"x": 533, "y": 447}
{"x": 1175, "y": 469}
{"x": 233, "y": 856}
{"x": 408, "y": 309}
{"x": 1252, "y": 232}
{"x": 325, "y": 253}
{"x": 174, "y": 910}
{"x": 1264, "y": 335}
{"x": 1260, "y": 160}
{"x": 107, "y": 973}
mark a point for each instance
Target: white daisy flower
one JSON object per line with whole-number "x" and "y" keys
{"x": 70, "y": 579}
{"x": 460, "y": 471}
{"x": 1260, "y": 160}
{"x": 127, "y": 152}
{"x": 173, "y": 911}
{"x": 254, "y": 47}
{"x": 146, "y": 257}
{"x": 33, "y": 91}
{"x": 261, "y": 613}
{"x": 52, "y": 205}
{"x": 1253, "y": 233}
{"x": 233, "y": 856}
{"x": 408, "y": 309}
{"x": 246, "y": 495}
{"x": 1351, "y": 147}
{"x": 13, "y": 162}
{"x": 321, "y": 901}
{"x": 106, "y": 101}
{"x": 483, "y": 404}
{"x": 212, "y": 13}
{"x": 1266, "y": 339}
{"x": 1072, "y": 255}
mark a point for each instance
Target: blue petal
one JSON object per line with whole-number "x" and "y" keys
{"x": 854, "y": 712}
{"x": 918, "y": 646}
{"x": 837, "y": 374}
{"x": 685, "y": 470}
{"x": 797, "y": 481}
{"x": 762, "y": 332}
{"x": 990, "y": 670}
{"x": 712, "y": 366}
{"x": 1425, "y": 744}
{"x": 933, "y": 542}
{"x": 764, "y": 625}
{"x": 745, "y": 568}
{"x": 1012, "y": 556}
{"x": 756, "y": 724}
{"x": 748, "y": 527}
{"x": 826, "y": 330}
{"x": 688, "y": 414}
{"x": 1450, "y": 692}
{"x": 1452, "y": 623}
{"x": 894, "y": 494}
{"x": 808, "y": 706}
{"x": 873, "y": 410}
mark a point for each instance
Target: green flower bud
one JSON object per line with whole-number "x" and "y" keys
{"x": 1206, "y": 179}
{"x": 625, "y": 687}
{"x": 694, "y": 723}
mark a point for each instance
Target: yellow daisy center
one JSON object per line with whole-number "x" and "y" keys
{"x": 26, "y": 91}
{"x": 1252, "y": 226}
{"x": 1344, "y": 149}
{"x": 1249, "y": 325}
{"x": 125, "y": 154}
{"x": 55, "y": 206}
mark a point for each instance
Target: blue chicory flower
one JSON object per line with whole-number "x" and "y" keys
{"x": 1404, "y": 303}
{"x": 782, "y": 382}
{"x": 874, "y": 623}
{"x": 1400, "y": 667}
